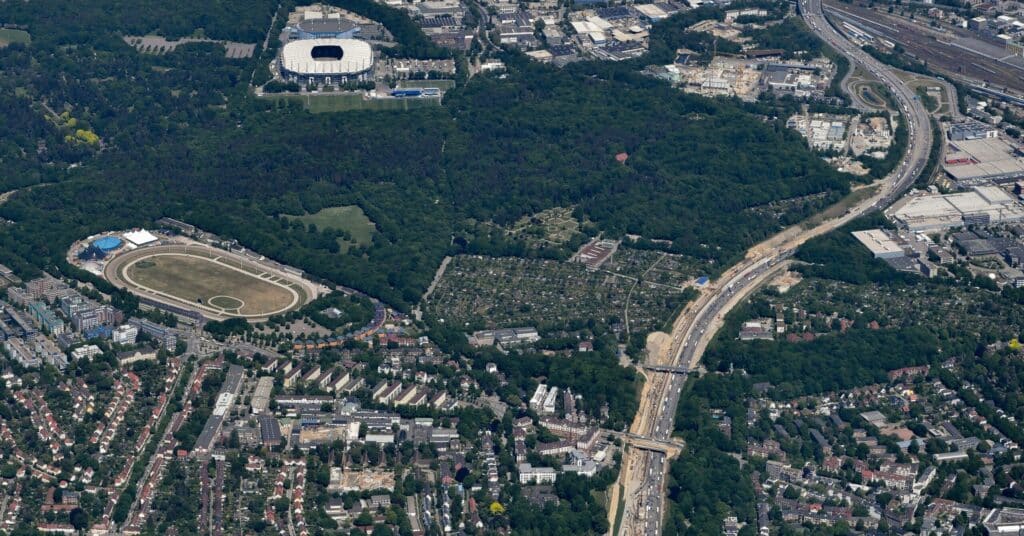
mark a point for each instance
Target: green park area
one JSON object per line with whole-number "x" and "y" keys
{"x": 356, "y": 227}
{"x": 8, "y": 36}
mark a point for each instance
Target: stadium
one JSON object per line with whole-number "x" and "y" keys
{"x": 326, "y": 61}
{"x": 214, "y": 283}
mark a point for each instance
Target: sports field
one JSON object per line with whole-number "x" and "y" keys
{"x": 215, "y": 283}
{"x": 344, "y": 102}
{"x": 440, "y": 84}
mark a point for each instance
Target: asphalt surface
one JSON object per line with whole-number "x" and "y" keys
{"x": 956, "y": 52}
{"x": 643, "y": 475}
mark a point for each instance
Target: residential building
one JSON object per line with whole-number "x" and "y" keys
{"x": 83, "y": 352}
{"x": 127, "y": 358}
{"x": 45, "y": 318}
{"x": 125, "y": 334}
{"x": 167, "y": 336}
{"x": 529, "y": 474}
{"x": 20, "y": 352}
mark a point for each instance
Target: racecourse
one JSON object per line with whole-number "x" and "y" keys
{"x": 216, "y": 283}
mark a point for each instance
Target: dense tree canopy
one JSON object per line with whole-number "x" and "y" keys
{"x": 180, "y": 135}
{"x": 596, "y": 376}
{"x": 77, "y": 22}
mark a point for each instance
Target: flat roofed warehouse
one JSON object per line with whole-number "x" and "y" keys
{"x": 982, "y": 206}
{"x": 332, "y": 28}
{"x": 261, "y": 395}
{"x": 880, "y": 244}
{"x": 975, "y": 161}
{"x": 326, "y": 60}
{"x": 651, "y": 11}
{"x": 270, "y": 430}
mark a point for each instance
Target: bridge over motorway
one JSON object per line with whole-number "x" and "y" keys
{"x": 667, "y": 368}
{"x": 669, "y": 446}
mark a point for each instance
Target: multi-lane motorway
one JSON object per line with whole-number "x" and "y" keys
{"x": 642, "y": 478}
{"x": 957, "y": 52}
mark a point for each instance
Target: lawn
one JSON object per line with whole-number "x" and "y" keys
{"x": 348, "y": 218}
{"x": 344, "y": 102}
{"x": 440, "y": 84}
{"x": 203, "y": 281}
{"x": 8, "y": 36}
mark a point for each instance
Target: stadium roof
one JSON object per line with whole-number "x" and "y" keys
{"x": 355, "y": 56}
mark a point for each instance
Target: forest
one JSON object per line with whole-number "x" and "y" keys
{"x": 59, "y": 22}
{"x": 862, "y": 355}
{"x": 859, "y": 357}
{"x": 839, "y": 256}
{"x": 180, "y": 136}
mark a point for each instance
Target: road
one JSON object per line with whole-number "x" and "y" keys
{"x": 956, "y": 52}
{"x": 154, "y": 464}
{"x": 481, "y": 26}
{"x": 642, "y": 478}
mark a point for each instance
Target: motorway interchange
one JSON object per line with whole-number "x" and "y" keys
{"x": 643, "y": 476}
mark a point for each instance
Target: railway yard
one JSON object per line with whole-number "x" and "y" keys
{"x": 953, "y": 51}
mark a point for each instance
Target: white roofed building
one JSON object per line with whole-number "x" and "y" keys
{"x": 984, "y": 205}
{"x": 140, "y": 237}
{"x": 529, "y": 474}
{"x": 881, "y": 245}
{"x": 328, "y": 61}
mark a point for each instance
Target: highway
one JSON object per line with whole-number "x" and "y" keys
{"x": 642, "y": 478}
{"x": 956, "y": 52}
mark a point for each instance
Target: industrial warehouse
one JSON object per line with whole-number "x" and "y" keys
{"x": 977, "y": 154}
{"x": 326, "y": 61}
{"x": 984, "y": 205}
